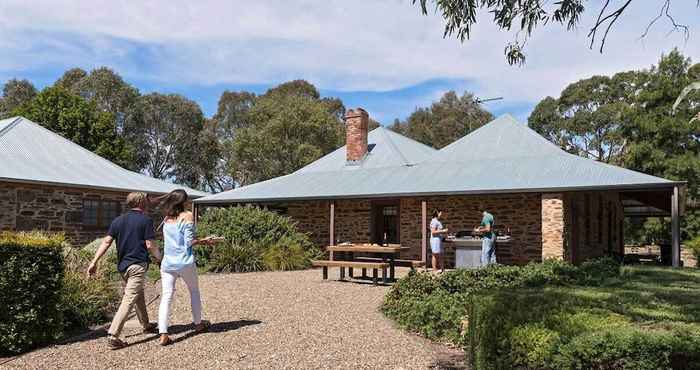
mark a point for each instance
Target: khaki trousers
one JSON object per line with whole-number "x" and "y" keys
{"x": 135, "y": 279}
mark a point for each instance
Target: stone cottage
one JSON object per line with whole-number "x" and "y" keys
{"x": 50, "y": 183}
{"x": 382, "y": 186}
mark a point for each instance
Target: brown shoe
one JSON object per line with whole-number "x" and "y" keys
{"x": 165, "y": 340}
{"x": 150, "y": 328}
{"x": 202, "y": 327}
{"x": 115, "y": 343}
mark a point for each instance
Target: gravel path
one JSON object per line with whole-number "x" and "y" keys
{"x": 263, "y": 320}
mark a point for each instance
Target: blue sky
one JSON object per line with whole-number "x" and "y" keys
{"x": 383, "y": 56}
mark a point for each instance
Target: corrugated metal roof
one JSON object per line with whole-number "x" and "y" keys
{"x": 386, "y": 149}
{"x": 32, "y": 153}
{"x": 503, "y": 137}
{"x": 502, "y": 156}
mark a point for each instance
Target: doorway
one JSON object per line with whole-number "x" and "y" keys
{"x": 386, "y": 222}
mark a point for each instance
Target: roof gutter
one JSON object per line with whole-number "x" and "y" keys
{"x": 82, "y": 186}
{"x": 636, "y": 187}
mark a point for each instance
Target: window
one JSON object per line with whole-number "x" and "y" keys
{"x": 90, "y": 210}
{"x": 100, "y": 213}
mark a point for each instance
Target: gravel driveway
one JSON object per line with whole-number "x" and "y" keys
{"x": 263, "y": 320}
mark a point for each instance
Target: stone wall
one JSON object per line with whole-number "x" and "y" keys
{"x": 313, "y": 217}
{"x": 519, "y": 213}
{"x": 688, "y": 258}
{"x": 352, "y": 220}
{"x": 553, "y": 224}
{"x": 25, "y": 207}
{"x": 541, "y": 225}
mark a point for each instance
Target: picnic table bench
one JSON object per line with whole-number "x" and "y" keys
{"x": 386, "y": 258}
{"x": 375, "y": 266}
{"x": 413, "y": 264}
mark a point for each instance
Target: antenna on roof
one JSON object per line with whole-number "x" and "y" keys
{"x": 480, "y": 101}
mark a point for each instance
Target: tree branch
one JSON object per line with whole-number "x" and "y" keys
{"x": 611, "y": 18}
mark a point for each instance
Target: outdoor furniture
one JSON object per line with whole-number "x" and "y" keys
{"x": 375, "y": 266}
{"x": 387, "y": 253}
{"x": 413, "y": 264}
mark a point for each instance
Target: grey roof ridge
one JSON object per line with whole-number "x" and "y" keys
{"x": 10, "y": 125}
{"x": 394, "y": 148}
{"x": 91, "y": 153}
{"x": 388, "y": 130}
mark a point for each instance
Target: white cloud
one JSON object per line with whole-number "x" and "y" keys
{"x": 337, "y": 44}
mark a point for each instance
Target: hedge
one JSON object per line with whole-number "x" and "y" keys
{"x": 31, "y": 272}
{"x": 560, "y": 328}
{"x": 435, "y": 306}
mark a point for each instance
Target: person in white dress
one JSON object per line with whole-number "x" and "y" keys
{"x": 437, "y": 234}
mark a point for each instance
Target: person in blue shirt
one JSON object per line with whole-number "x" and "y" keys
{"x": 134, "y": 236}
{"x": 178, "y": 261}
{"x": 488, "y": 234}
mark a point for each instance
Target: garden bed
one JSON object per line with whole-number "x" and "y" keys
{"x": 557, "y": 316}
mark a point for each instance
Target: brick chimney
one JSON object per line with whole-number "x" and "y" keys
{"x": 356, "y": 124}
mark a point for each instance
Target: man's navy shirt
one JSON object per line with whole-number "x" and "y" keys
{"x": 131, "y": 230}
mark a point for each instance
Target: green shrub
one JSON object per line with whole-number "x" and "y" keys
{"x": 287, "y": 254}
{"x": 231, "y": 257}
{"x": 249, "y": 224}
{"x": 531, "y": 346}
{"x": 555, "y": 328}
{"x": 436, "y": 306}
{"x": 31, "y": 271}
{"x": 630, "y": 348}
{"x": 79, "y": 259}
{"x": 598, "y": 272}
{"x": 86, "y": 302}
{"x": 256, "y": 239}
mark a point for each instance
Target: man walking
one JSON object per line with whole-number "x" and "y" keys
{"x": 134, "y": 234}
{"x": 488, "y": 241}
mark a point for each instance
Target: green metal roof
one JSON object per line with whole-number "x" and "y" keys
{"x": 30, "y": 153}
{"x": 503, "y": 156}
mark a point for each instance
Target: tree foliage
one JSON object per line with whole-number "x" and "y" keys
{"x": 627, "y": 119}
{"x": 79, "y": 121}
{"x": 445, "y": 121}
{"x": 524, "y": 17}
{"x": 104, "y": 87}
{"x": 165, "y": 130}
{"x": 70, "y": 78}
{"x": 15, "y": 93}
{"x": 590, "y": 116}
{"x": 288, "y": 127}
{"x": 260, "y": 137}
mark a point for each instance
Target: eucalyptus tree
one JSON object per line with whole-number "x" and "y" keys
{"x": 524, "y": 17}
{"x": 15, "y": 93}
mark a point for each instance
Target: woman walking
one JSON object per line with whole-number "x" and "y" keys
{"x": 178, "y": 261}
{"x": 437, "y": 233}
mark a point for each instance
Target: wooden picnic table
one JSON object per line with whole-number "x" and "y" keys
{"x": 388, "y": 253}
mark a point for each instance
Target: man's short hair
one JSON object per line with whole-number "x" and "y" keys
{"x": 136, "y": 199}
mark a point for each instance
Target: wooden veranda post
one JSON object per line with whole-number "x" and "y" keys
{"x": 675, "y": 229}
{"x": 331, "y": 232}
{"x": 194, "y": 212}
{"x": 424, "y": 234}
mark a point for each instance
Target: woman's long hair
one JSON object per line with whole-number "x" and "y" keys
{"x": 173, "y": 203}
